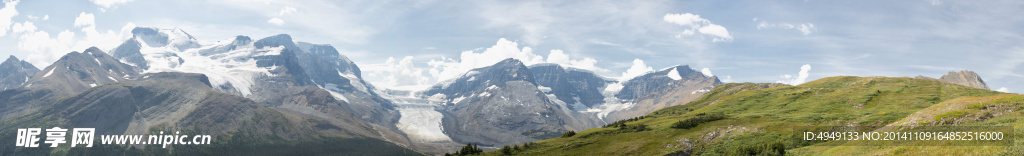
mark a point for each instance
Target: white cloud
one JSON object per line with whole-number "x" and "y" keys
{"x": 45, "y": 50}
{"x": 804, "y": 28}
{"x": 6, "y": 14}
{"x": 85, "y": 20}
{"x": 23, "y": 27}
{"x": 694, "y": 23}
{"x": 799, "y": 79}
{"x": 287, "y": 10}
{"x": 638, "y": 68}
{"x": 109, "y": 3}
{"x": 533, "y": 18}
{"x": 559, "y": 57}
{"x": 402, "y": 75}
{"x": 1003, "y": 89}
{"x": 449, "y": 68}
{"x": 706, "y": 72}
{"x": 276, "y": 21}
{"x": 727, "y": 79}
{"x": 46, "y": 17}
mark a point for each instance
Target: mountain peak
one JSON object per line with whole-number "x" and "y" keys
{"x": 12, "y": 58}
{"x": 145, "y": 31}
{"x": 93, "y": 50}
{"x": 966, "y": 78}
{"x": 243, "y": 38}
{"x": 511, "y": 61}
{"x": 277, "y": 40}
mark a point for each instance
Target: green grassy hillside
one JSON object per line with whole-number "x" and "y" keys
{"x": 764, "y": 119}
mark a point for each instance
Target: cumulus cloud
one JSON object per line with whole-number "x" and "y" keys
{"x": 45, "y": 49}
{"x": 404, "y": 75}
{"x": 449, "y": 68}
{"x": 85, "y": 20}
{"x": 276, "y": 21}
{"x": 706, "y": 72}
{"x": 286, "y": 11}
{"x": 6, "y": 14}
{"x": 804, "y": 28}
{"x": 109, "y": 3}
{"x": 559, "y": 57}
{"x": 799, "y": 79}
{"x": 638, "y": 68}
{"x": 696, "y": 24}
{"x": 1003, "y": 89}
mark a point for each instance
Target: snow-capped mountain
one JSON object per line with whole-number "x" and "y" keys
{"x": 78, "y": 71}
{"x": 509, "y": 103}
{"x": 274, "y": 71}
{"x": 655, "y": 90}
{"x": 577, "y": 88}
{"x": 167, "y": 77}
{"x": 14, "y": 72}
{"x": 502, "y": 105}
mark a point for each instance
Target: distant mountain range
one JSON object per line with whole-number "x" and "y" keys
{"x": 242, "y": 90}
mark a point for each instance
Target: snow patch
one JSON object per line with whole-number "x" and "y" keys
{"x": 613, "y": 88}
{"x": 674, "y": 74}
{"x": 544, "y": 89}
{"x": 236, "y": 67}
{"x": 437, "y": 97}
{"x": 50, "y": 72}
{"x": 492, "y": 87}
{"x": 422, "y": 124}
{"x": 92, "y": 85}
{"x": 457, "y": 100}
{"x": 112, "y": 78}
{"x": 701, "y": 91}
{"x": 338, "y": 96}
{"x": 355, "y": 82}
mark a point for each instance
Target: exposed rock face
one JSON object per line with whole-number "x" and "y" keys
{"x": 673, "y": 86}
{"x": 91, "y": 89}
{"x": 964, "y": 78}
{"x": 76, "y": 72}
{"x": 502, "y": 105}
{"x": 576, "y": 87}
{"x": 14, "y": 72}
{"x": 296, "y": 78}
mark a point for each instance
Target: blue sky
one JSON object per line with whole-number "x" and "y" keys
{"x": 411, "y": 44}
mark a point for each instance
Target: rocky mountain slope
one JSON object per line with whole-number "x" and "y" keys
{"x": 766, "y": 119}
{"x": 964, "y": 77}
{"x": 274, "y": 71}
{"x": 669, "y": 87}
{"x": 187, "y": 102}
{"x": 501, "y": 104}
{"x": 508, "y": 103}
{"x": 323, "y": 96}
{"x": 14, "y": 72}
{"x": 577, "y": 88}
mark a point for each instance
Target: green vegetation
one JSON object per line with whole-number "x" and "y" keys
{"x": 766, "y": 119}
{"x": 569, "y": 134}
{"x": 693, "y": 122}
{"x": 469, "y": 149}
